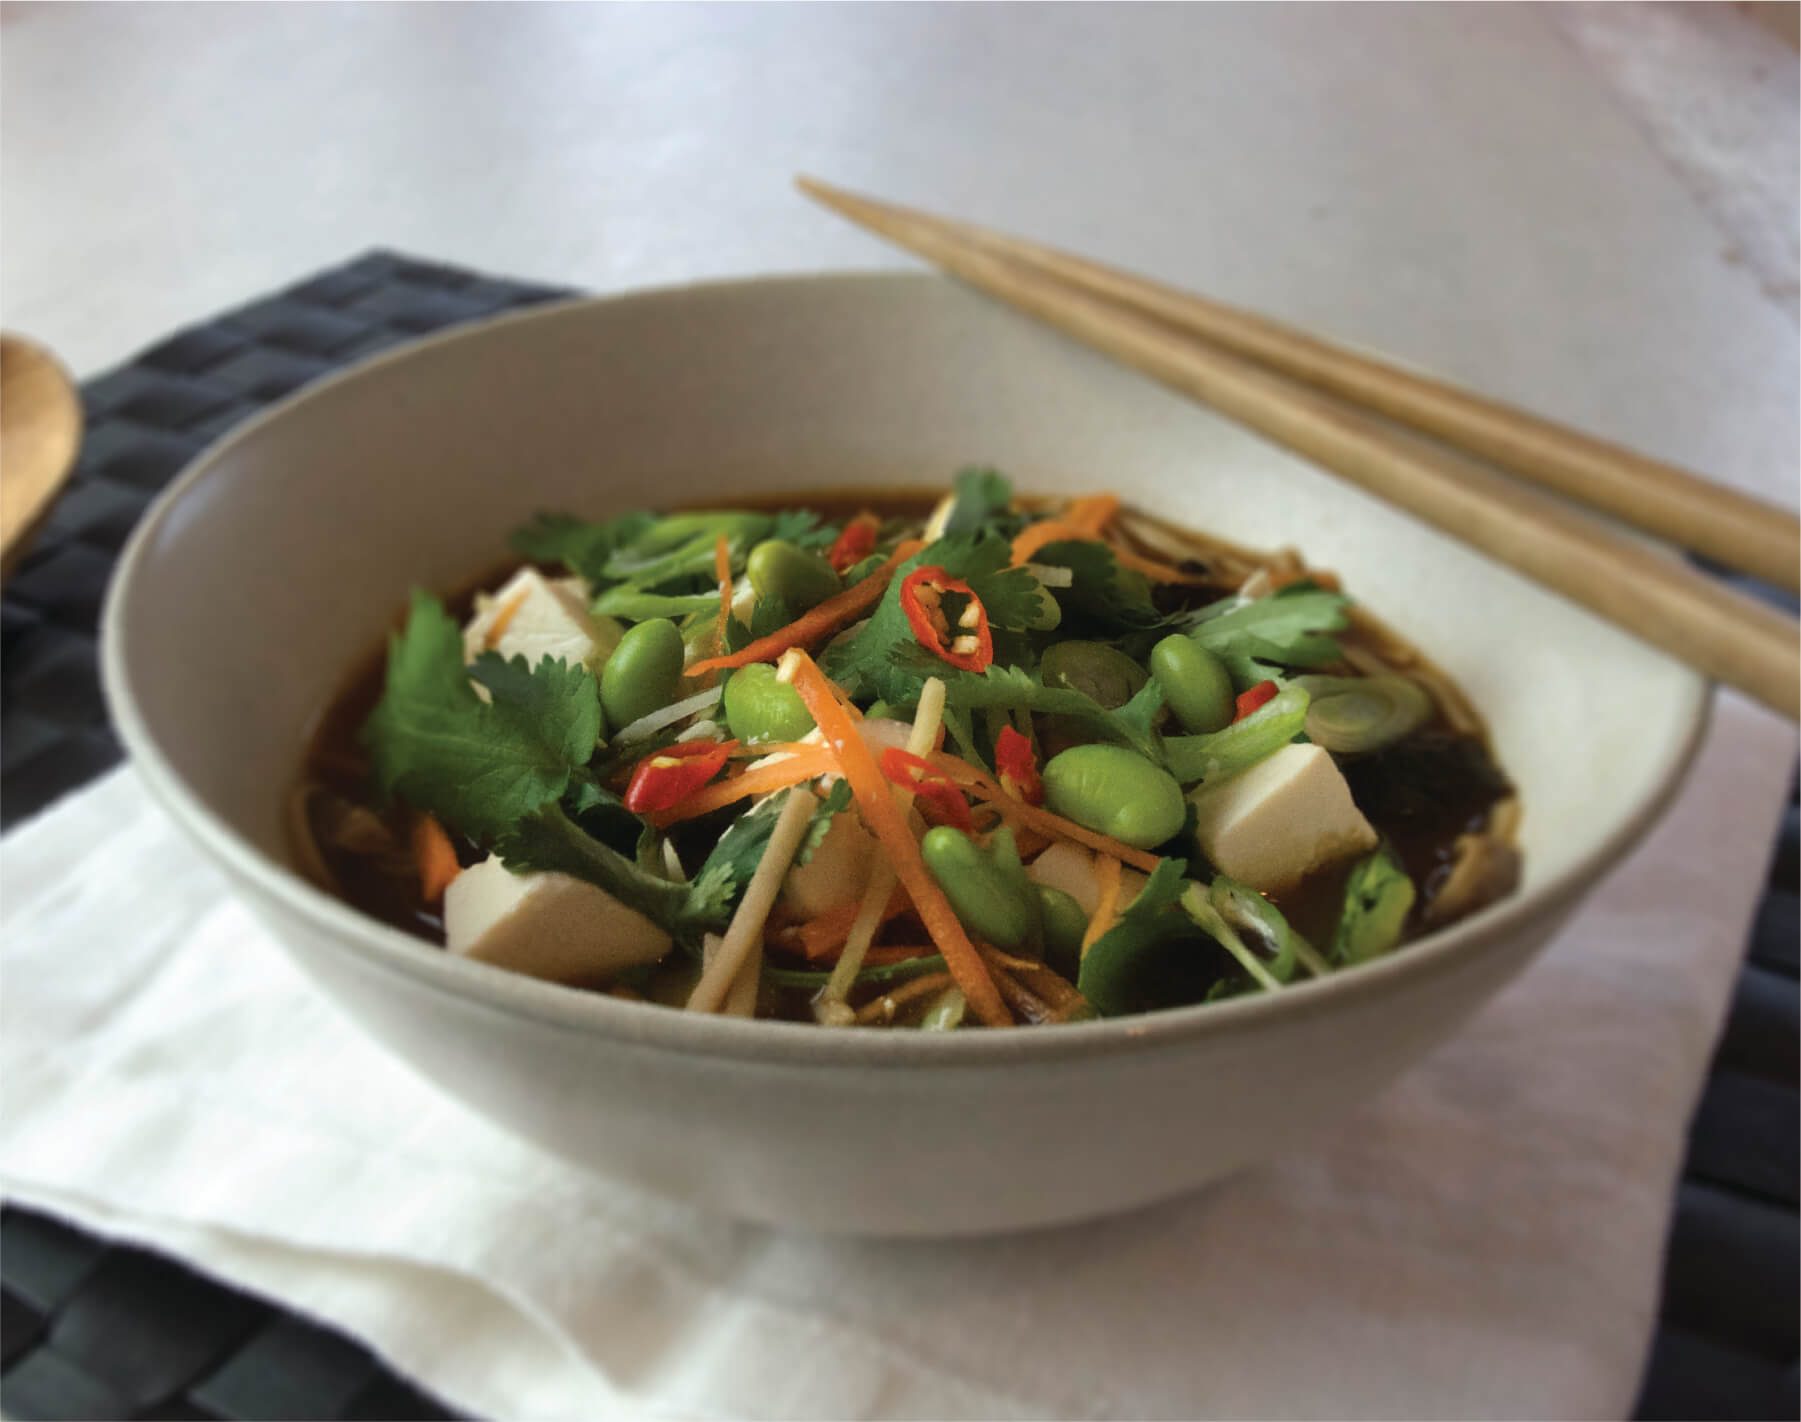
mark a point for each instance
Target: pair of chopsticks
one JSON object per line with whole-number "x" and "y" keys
{"x": 1340, "y": 410}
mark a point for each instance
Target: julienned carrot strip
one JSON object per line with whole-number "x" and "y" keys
{"x": 1107, "y": 872}
{"x": 823, "y": 620}
{"x": 1044, "y": 821}
{"x": 497, "y": 628}
{"x": 1092, "y": 513}
{"x": 816, "y": 761}
{"x": 437, "y": 858}
{"x": 823, "y": 936}
{"x": 1036, "y": 535}
{"x": 722, "y": 569}
{"x": 883, "y": 818}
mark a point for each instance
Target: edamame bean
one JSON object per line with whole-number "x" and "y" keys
{"x": 760, "y": 708}
{"x": 788, "y": 573}
{"x": 1195, "y": 683}
{"x": 1064, "y": 925}
{"x": 1099, "y": 672}
{"x": 1116, "y": 792}
{"x": 986, "y": 897}
{"x": 643, "y": 673}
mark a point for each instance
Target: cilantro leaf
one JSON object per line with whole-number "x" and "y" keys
{"x": 479, "y": 767}
{"x": 550, "y": 842}
{"x": 1014, "y": 688}
{"x": 1151, "y": 957}
{"x": 982, "y": 498}
{"x": 802, "y": 528}
{"x": 1288, "y": 628}
{"x": 879, "y": 659}
{"x": 581, "y": 547}
{"x": 1101, "y": 593}
{"x": 740, "y": 849}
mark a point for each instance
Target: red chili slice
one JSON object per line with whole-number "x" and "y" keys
{"x": 969, "y": 646}
{"x": 929, "y": 784}
{"x": 856, "y": 543}
{"x": 1018, "y": 767}
{"x": 663, "y": 779}
{"x": 1249, "y": 701}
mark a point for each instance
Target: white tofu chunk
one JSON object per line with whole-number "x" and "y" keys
{"x": 1070, "y": 867}
{"x": 1280, "y": 820}
{"x": 538, "y": 618}
{"x": 550, "y": 926}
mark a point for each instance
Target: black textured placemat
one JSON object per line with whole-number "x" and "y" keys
{"x": 87, "y": 1329}
{"x": 90, "y": 1329}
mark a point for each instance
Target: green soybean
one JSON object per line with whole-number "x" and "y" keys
{"x": 1099, "y": 672}
{"x": 1115, "y": 791}
{"x": 644, "y": 672}
{"x": 985, "y": 895}
{"x": 785, "y": 571}
{"x": 1064, "y": 926}
{"x": 760, "y": 708}
{"x": 1196, "y": 684}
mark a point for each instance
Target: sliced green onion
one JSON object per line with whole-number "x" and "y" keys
{"x": 946, "y": 1012}
{"x": 1216, "y": 757}
{"x": 1355, "y": 714}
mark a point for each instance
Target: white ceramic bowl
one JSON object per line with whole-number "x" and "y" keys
{"x": 281, "y": 555}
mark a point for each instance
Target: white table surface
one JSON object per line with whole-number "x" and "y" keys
{"x": 1566, "y": 207}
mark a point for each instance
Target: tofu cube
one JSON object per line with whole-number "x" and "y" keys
{"x": 551, "y": 926}
{"x": 534, "y": 617}
{"x": 1277, "y": 822}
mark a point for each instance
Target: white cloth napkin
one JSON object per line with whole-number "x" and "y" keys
{"x": 1482, "y": 1240}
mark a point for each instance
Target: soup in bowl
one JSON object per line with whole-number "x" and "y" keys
{"x": 1218, "y": 992}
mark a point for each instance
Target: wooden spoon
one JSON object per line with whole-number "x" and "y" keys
{"x": 40, "y": 431}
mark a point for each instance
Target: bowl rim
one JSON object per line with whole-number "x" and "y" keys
{"x": 394, "y": 953}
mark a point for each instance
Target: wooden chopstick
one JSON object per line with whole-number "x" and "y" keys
{"x": 1658, "y": 598}
{"x": 1724, "y": 524}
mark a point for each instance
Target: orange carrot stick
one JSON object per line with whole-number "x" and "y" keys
{"x": 822, "y": 621}
{"x": 437, "y": 858}
{"x": 497, "y": 628}
{"x": 814, "y": 761}
{"x": 883, "y": 818}
{"x": 824, "y": 936}
{"x": 1092, "y": 513}
{"x": 1036, "y": 535}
